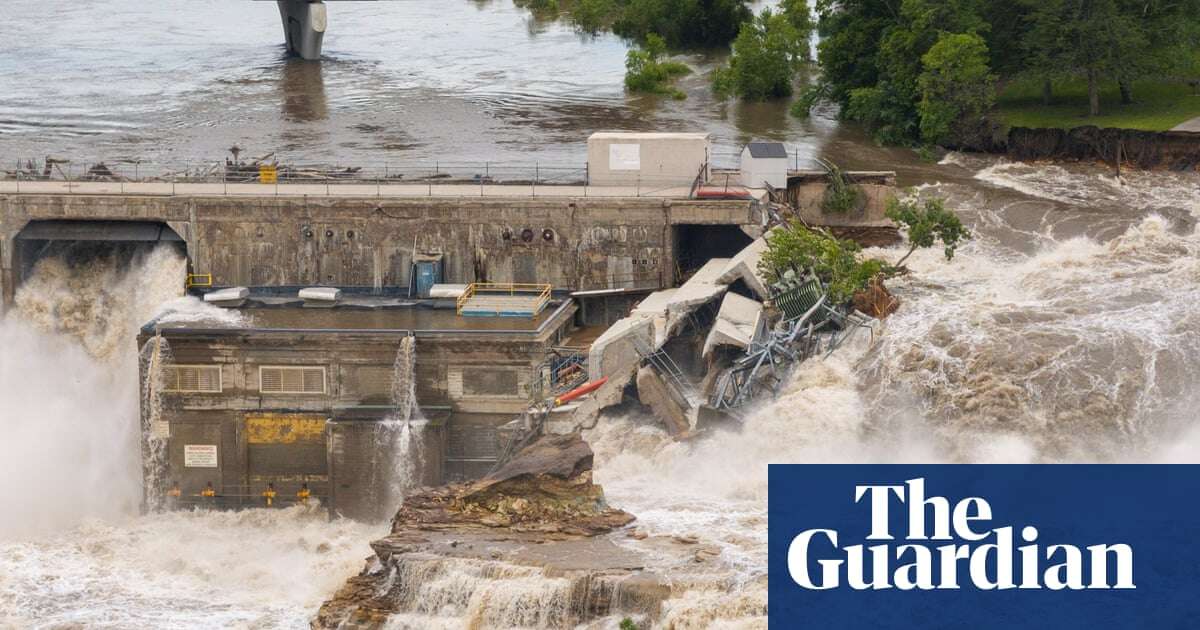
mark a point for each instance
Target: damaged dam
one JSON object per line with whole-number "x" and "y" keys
{"x": 355, "y": 347}
{"x": 299, "y": 392}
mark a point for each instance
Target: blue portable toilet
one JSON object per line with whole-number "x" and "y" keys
{"x": 426, "y": 272}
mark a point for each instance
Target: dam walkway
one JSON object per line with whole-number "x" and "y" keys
{"x": 335, "y": 189}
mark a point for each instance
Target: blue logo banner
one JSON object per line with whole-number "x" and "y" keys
{"x": 984, "y": 546}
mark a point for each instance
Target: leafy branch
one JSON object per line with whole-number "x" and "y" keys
{"x": 926, "y": 224}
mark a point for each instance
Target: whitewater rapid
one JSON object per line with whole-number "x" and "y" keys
{"x": 1065, "y": 331}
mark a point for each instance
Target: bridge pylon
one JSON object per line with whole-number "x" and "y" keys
{"x": 304, "y": 23}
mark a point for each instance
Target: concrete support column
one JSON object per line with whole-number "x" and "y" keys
{"x": 8, "y": 280}
{"x": 304, "y": 23}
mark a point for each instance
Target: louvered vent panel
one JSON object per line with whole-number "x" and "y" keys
{"x": 292, "y": 380}
{"x": 194, "y": 378}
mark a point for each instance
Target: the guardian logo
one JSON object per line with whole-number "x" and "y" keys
{"x": 975, "y": 552}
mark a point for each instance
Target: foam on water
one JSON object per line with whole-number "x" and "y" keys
{"x": 69, "y": 389}
{"x": 252, "y": 569}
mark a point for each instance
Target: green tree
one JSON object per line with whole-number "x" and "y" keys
{"x": 871, "y": 54}
{"x": 837, "y": 262}
{"x": 850, "y": 34}
{"x": 1093, "y": 38}
{"x": 646, "y": 71}
{"x": 798, "y": 14}
{"x": 593, "y": 16}
{"x": 682, "y": 23}
{"x": 840, "y": 264}
{"x": 926, "y": 224}
{"x": 766, "y": 54}
{"x": 956, "y": 84}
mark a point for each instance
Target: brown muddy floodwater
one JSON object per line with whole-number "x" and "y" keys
{"x": 1066, "y": 330}
{"x": 402, "y": 82}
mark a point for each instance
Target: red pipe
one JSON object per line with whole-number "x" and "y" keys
{"x": 582, "y": 390}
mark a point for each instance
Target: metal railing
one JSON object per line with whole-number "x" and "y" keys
{"x": 204, "y": 280}
{"x": 731, "y": 159}
{"x": 540, "y": 293}
{"x": 558, "y": 374}
{"x": 253, "y": 171}
{"x": 223, "y": 177}
{"x": 239, "y": 499}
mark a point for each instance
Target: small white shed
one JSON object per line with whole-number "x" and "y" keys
{"x": 764, "y": 162}
{"x": 649, "y": 160}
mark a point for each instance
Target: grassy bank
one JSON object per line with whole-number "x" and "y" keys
{"x": 1157, "y": 106}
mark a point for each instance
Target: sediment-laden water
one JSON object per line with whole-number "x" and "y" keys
{"x": 452, "y": 81}
{"x": 1063, "y": 332}
{"x": 1066, "y": 331}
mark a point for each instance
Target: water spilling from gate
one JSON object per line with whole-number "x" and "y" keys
{"x": 401, "y": 434}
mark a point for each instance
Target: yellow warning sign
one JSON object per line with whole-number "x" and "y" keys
{"x": 268, "y": 174}
{"x": 284, "y": 428}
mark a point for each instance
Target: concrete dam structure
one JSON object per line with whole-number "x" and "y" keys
{"x": 351, "y": 308}
{"x": 571, "y": 243}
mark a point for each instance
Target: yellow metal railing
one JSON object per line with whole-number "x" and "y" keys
{"x": 199, "y": 280}
{"x": 540, "y": 291}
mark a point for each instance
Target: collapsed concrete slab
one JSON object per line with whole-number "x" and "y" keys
{"x": 703, "y": 287}
{"x": 736, "y": 323}
{"x": 616, "y": 349}
{"x": 654, "y": 304}
{"x": 576, "y": 415}
{"x": 744, "y": 267}
{"x": 655, "y": 394}
{"x": 656, "y": 307}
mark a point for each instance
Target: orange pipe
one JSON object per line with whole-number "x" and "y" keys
{"x": 582, "y": 390}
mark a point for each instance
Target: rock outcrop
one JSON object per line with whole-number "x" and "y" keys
{"x": 547, "y": 487}
{"x": 522, "y": 547}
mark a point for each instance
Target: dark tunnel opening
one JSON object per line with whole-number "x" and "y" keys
{"x": 81, "y": 242}
{"x": 695, "y": 245}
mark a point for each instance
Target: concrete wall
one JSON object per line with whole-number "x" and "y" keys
{"x": 470, "y": 384}
{"x": 806, "y": 191}
{"x": 651, "y": 160}
{"x": 577, "y": 243}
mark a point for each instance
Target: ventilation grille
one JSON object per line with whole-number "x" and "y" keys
{"x": 193, "y": 378}
{"x": 291, "y": 380}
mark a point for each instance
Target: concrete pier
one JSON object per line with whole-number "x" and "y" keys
{"x": 304, "y": 23}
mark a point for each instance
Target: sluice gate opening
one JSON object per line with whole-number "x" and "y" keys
{"x": 79, "y": 242}
{"x": 695, "y": 245}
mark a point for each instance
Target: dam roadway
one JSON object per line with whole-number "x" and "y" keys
{"x": 351, "y": 235}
